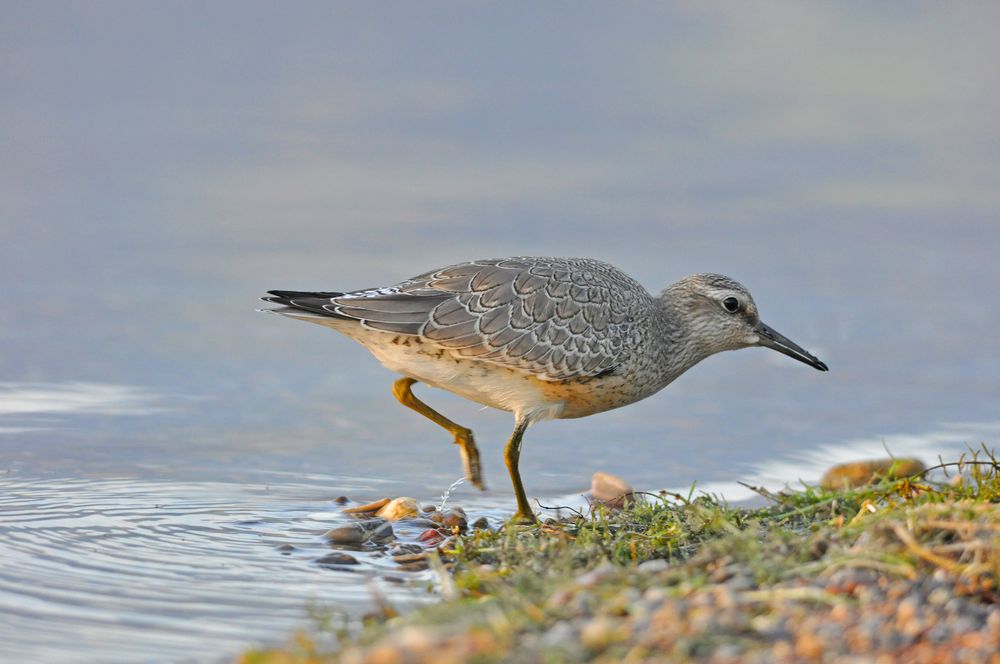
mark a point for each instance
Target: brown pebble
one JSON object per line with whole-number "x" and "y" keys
{"x": 430, "y": 537}
{"x": 341, "y": 500}
{"x": 409, "y": 557}
{"x": 398, "y": 508}
{"x": 337, "y": 558}
{"x": 352, "y": 533}
{"x": 808, "y": 646}
{"x": 429, "y": 508}
{"x": 384, "y": 654}
{"x": 596, "y": 634}
{"x": 285, "y": 548}
{"x": 368, "y": 507}
{"x": 482, "y": 523}
{"x": 859, "y": 473}
{"x": 609, "y": 490}
{"x": 453, "y": 518}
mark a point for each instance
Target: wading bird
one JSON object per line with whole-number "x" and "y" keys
{"x": 542, "y": 338}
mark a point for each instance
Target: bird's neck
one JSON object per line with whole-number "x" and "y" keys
{"x": 677, "y": 346}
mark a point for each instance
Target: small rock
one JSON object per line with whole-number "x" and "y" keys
{"x": 341, "y": 500}
{"x": 429, "y": 508}
{"x": 809, "y": 647}
{"x": 596, "y": 635}
{"x": 938, "y": 596}
{"x": 482, "y": 523}
{"x": 596, "y": 575}
{"x": 609, "y": 490}
{"x": 653, "y": 566}
{"x": 418, "y": 566}
{"x": 430, "y": 537}
{"x": 410, "y": 558}
{"x": 401, "y": 549}
{"x": 859, "y": 473}
{"x": 562, "y": 636}
{"x": 399, "y": 508}
{"x": 421, "y": 523}
{"x": 352, "y": 533}
{"x": 356, "y": 533}
{"x": 382, "y": 532}
{"x": 337, "y": 558}
{"x": 285, "y": 548}
{"x": 369, "y": 507}
{"x": 451, "y": 518}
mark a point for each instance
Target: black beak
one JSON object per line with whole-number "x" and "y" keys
{"x": 773, "y": 339}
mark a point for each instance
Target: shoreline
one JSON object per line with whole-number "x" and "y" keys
{"x": 903, "y": 570}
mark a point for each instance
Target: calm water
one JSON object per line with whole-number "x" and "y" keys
{"x": 159, "y": 440}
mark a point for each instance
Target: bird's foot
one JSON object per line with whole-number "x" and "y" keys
{"x": 470, "y": 460}
{"x": 523, "y": 519}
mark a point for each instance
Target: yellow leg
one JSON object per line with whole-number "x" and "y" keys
{"x": 463, "y": 437}
{"x": 512, "y": 454}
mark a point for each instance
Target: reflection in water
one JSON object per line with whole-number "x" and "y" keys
{"x": 77, "y": 398}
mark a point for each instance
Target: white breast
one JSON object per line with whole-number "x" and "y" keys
{"x": 483, "y": 382}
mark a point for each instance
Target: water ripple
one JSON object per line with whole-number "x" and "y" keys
{"x": 139, "y": 570}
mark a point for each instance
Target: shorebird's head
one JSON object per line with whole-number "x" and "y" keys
{"x": 720, "y": 314}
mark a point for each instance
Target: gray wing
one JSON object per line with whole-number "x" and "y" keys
{"x": 556, "y": 318}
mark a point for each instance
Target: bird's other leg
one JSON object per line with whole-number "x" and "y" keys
{"x": 512, "y": 454}
{"x": 463, "y": 437}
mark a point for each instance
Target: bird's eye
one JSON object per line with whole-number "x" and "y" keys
{"x": 731, "y": 304}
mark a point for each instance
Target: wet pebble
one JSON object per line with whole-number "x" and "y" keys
{"x": 382, "y": 532}
{"x": 367, "y": 507}
{"x": 337, "y": 558}
{"x": 357, "y": 533}
{"x": 403, "y": 507}
{"x": 352, "y": 533}
{"x": 405, "y": 547}
{"x": 430, "y": 537}
{"x": 341, "y": 500}
{"x": 451, "y": 518}
{"x": 285, "y": 548}
{"x": 482, "y": 523}
{"x": 410, "y": 557}
{"x": 418, "y": 566}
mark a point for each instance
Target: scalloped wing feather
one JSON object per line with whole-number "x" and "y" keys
{"x": 554, "y": 318}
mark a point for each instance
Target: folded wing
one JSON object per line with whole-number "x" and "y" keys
{"x": 555, "y": 318}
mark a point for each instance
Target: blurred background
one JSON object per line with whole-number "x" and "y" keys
{"x": 162, "y": 165}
